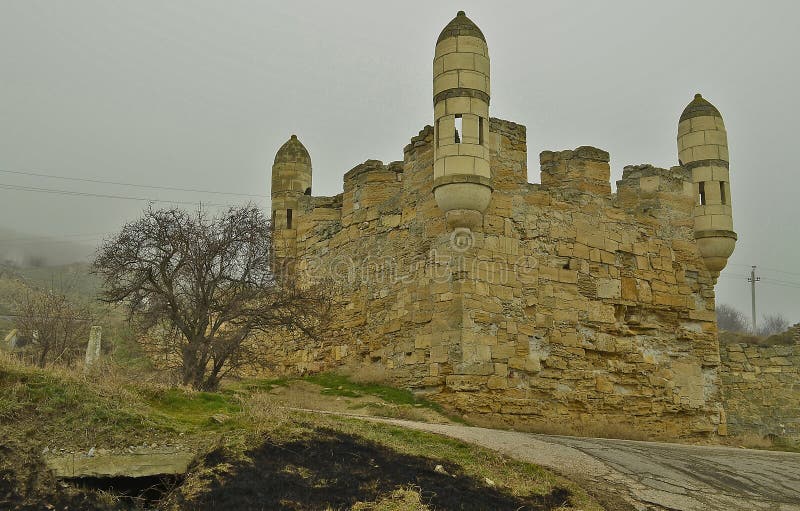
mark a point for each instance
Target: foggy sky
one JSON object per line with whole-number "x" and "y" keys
{"x": 200, "y": 94}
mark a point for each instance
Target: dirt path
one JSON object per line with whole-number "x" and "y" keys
{"x": 649, "y": 475}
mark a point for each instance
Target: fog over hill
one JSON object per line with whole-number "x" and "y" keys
{"x": 29, "y": 250}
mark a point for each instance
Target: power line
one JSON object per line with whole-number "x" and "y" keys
{"x": 73, "y": 193}
{"x": 120, "y": 183}
{"x": 784, "y": 283}
{"x": 780, "y": 271}
{"x": 768, "y": 280}
{"x": 769, "y": 269}
{"x": 36, "y": 239}
{"x": 77, "y": 241}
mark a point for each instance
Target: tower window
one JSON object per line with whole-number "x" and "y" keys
{"x": 459, "y": 128}
{"x": 722, "y": 192}
{"x": 480, "y": 130}
{"x": 702, "y": 193}
{"x": 288, "y": 218}
{"x": 437, "y": 132}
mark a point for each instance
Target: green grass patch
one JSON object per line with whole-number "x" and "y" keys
{"x": 69, "y": 409}
{"x": 251, "y": 385}
{"x": 188, "y": 411}
{"x": 338, "y": 385}
{"x": 66, "y": 410}
{"x": 334, "y": 384}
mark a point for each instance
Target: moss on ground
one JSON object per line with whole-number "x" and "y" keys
{"x": 333, "y": 384}
{"x": 339, "y": 385}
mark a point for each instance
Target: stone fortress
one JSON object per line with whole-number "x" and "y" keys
{"x": 557, "y": 302}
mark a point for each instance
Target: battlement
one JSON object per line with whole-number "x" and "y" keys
{"x": 424, "y": 136}
{"x": 509, "y": 154}
{"x": 370, "y": 184}
{"x": 657, "y": 195}
{"x": 586, "y": 169}
{"x": 795, "y": 332}
{"x": 333, "y": 202}
{"x": 374, "y": 168}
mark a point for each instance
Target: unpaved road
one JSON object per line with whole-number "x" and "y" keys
{"x": 649, "y": 475}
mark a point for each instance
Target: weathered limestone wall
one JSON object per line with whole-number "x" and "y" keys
{"x": 569, "y": 305}
{"x": 761, "y": 388}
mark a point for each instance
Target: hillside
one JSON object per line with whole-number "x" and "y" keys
{"x": 75, "y": 280}
{"x": 782, "y": 339}
{"x": 249, "y": 451}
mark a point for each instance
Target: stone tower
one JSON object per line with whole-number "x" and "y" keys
{"x": 462, "y": 180}
{"x": 291, "y": 179}
{"x": 703, "y": 149}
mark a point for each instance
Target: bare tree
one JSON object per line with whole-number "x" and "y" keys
{"x": 204, "y": 288}
{"x": 730, "y": 319}
{"x": 52, "y": 326}
{"x": 772, "y": 324}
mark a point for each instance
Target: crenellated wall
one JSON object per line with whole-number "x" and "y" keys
{"x": 568, "y": 304}
{"x": 551, "y": 303}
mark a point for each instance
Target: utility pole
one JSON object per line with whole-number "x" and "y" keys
{"x": 752, "y": 280}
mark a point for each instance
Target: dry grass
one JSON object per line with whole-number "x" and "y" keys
{"x": 781, "y": 339}
{"x": 264, "y": 414}
{"x": 749, "y": 441}
{"x": 106, "y": 372}
{"x": 404, "y": 412}
{"x": 406, "y": 499}
{"x": 595, "y": 430}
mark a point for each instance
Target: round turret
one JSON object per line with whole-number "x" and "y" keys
{"x": 703, "y": 149}
{"x": 291, "y": 179}
{"x": 461, "y": 175}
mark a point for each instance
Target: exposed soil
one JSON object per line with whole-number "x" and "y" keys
{"x": 333, "y": 470}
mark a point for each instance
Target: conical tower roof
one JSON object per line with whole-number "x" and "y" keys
{"x": 461, "y": 25}
{"x": 699, "y": 107}
{"x": 293, "y": 151}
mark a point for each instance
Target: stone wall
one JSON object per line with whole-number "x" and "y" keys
{"x": 761, "y": 388}
{"x": 569, "y": 305}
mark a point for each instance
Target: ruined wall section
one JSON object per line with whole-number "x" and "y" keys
{"x": 761, "y": 388}
{"x": 377, "y": 243}
{"x": 570, "y": 305}
{"x": 580, "y": 311}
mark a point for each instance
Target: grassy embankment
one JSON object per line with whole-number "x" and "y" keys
{"x": 237, "y": 433}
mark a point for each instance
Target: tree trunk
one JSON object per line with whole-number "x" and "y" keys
{"x": 189, "y": 367}
{"x": 194, "y": 367}
{"x": 210, "y": 384}
{"x": 43, "y": 357}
